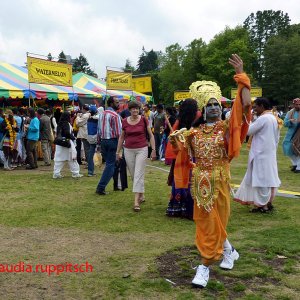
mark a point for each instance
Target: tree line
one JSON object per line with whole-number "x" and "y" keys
{"x": 267, "y": 42}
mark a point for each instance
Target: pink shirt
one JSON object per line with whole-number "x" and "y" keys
{"x": 135, "y": 135}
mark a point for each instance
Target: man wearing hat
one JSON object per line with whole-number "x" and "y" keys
{"x": 292, "y": 121}
{"x": 92, "y": 125}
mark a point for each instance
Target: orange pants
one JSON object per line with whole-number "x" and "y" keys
{"x": 211, "y": 226}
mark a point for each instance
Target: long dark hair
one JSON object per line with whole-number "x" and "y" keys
{"x": 64, "y": 118}
{"x": 200, "y": 120}
{"x": 187, "y": 113}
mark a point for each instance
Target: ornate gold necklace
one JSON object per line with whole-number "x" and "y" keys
{"x": 209, "y": 129}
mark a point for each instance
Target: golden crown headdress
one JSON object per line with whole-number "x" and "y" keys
{"x": 203, "y": 90}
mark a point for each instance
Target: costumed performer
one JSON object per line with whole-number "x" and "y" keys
{"x": 213, "y": 144}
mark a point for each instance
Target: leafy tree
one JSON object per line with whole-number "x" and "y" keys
{"x": 81, "y": 65}
{"x": 171, "y": 73}
{"x": 217, "y": 52}
{"x": 148, "y": 61}
{"x": 49, "y": 56}
{"x": 192, "y": 61}
{"x": 128, "y": 66}
{"x": 282, "y": 66}
{"x": 62, "y": 57}
{"x": 262, "y": 26}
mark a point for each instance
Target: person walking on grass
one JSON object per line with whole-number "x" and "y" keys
{"x": 261, "y": 179}
{"x": 92, "y": 124}
{"x": 181, "y": 202}
{"x": 63, "y": 154}
{"x": 81, "y": 124}
{"x": 292, "y": 122}
{"x": 109, "y": 130}
{"x": 45, "y": 135}
{"x": 9, "y": 130}
{"x": 134, "y": 133}
{"x": 33, "y": 135}
{"x": 213, "y": 143}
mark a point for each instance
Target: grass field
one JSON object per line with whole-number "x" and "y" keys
{"x": 45, "y": 221}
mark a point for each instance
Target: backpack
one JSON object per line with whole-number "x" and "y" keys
{"x": 92, "y": 125}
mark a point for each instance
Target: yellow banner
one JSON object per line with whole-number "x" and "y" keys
{"x": 181, "y": 95}
{"x": 142, "y": 84}
{"x": 255, "y": 92}
{"x": 118, "y": 80}
{"x": 49, "y": 72}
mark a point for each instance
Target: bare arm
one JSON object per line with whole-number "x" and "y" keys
{"x": 152, "y": 142}
{"x": 238, "y": 65}
{"x": 120, "y": 145}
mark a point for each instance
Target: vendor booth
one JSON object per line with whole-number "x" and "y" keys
{"x": 16, "y": 91}
{"x": 84, "y": 81}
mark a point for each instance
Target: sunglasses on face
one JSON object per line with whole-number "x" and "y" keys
{"x": 212, "y": 104}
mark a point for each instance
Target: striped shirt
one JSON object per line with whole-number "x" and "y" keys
{"x": 109, "y": 125}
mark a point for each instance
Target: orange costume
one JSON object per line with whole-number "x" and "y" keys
{"x": 213, "y": 147}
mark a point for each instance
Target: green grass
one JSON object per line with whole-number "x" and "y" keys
{"x": 55, "y": 221}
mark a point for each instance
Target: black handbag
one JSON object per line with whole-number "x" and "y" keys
{"x": 62, "y": 141}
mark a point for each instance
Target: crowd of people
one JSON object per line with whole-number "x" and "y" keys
{"x": 198, "y": 141}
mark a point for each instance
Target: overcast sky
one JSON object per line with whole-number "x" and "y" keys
{"x": 107, "y": 32}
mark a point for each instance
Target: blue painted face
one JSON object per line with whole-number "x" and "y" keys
{"x": 213, "y": 109}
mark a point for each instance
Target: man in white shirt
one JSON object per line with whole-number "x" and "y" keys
{"x": 261, "y": 180}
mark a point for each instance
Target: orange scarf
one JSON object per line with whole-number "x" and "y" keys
{"x": 182, "y": 168}
{"x": 237, "y": 128}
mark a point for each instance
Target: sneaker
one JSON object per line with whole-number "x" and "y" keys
{"x": 58, "y": 176}
{"x": 228, "y": 259}
{"x": 202, "y": 276}
{"x": 91, "y": 175}
{"x": 77, "y": 175}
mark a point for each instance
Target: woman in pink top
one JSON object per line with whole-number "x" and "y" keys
{"x": 135, "y": 129}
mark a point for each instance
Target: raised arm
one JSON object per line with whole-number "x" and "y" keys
{"x": 238, "y": 65}
{"x": 241, "y": 111}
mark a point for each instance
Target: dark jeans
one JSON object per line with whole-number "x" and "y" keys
{"x": 108, "y": 149}
{"x": 86, "y": 147}
{"x": 158, "y": 138}
{"x": 91, "y": 166}
{"x": 78, "y": 149}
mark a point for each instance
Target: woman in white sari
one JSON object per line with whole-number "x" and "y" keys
{"x": 63, "y": 154}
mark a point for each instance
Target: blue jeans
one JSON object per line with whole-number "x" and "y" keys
{"x": 91, "y": 159}
{"x": 109, "y": 149}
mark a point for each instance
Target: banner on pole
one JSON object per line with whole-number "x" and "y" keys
{"x": 49, "y": 72}
{"x": 142, "y": 84}
{"x": 181, "y": 95}
{"x": 255, "y": 92}
{"x": 118, "y": 80}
